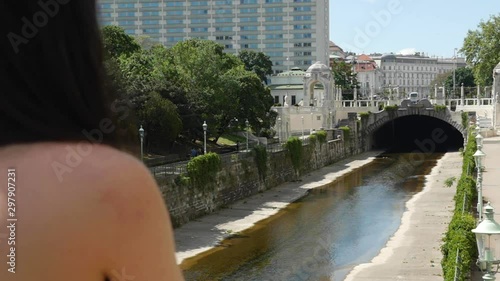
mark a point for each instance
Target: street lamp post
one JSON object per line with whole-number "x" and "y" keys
{"x": 484, "y": 230}
{"x": 141, "y": 134}
{"x": 311, "y": 123}
{"x": 205, "y": 126}
{"x": 279, "y": 129}
{"x": 302, "y": 117}
{"x": 454, "y": 69}
{"x": 247, "y": 123}
{"x": 478, "y": 157}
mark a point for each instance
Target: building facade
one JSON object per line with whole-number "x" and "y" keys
{"x": 291, "y": 32}
{"x": 403, "y": 74}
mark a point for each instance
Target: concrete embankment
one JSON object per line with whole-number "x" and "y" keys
{"x": 205, "y": 233}
{"x": 413, "y": 253}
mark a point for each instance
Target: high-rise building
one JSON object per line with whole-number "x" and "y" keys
{"x": 293, "y": 33}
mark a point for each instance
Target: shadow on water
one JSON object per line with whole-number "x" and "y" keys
{"x": 323, "y": 235}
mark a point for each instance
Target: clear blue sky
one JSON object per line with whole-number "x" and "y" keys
{"x": 434, "y": 27}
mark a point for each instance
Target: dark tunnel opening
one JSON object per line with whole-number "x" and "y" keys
{"x": 417, "y": 133}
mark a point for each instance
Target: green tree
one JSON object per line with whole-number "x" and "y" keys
{"x": 160, "y": 120}
{"x": 345, "y": 77}
{"x": 257, "y": 62}
{"x": 116, "y": 42}
{"x": 462, "y": 75}
{"x": 482, "y": 50}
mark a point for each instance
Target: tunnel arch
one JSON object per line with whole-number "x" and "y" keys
{"x": 416, "y": 132}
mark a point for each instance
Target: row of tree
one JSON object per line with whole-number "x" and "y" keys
{"x": 174, "y": 90}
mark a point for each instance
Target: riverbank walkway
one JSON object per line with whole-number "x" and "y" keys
{"x": 491, "y": 180}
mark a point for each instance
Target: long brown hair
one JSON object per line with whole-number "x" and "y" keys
{"x": 52, "y": 79}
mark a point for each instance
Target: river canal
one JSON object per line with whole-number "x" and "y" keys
{"x": 325, "y": 234}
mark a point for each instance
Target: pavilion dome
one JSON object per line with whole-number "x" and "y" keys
{"x": 318, "y": 67}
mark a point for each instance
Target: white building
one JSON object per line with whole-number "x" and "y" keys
{"x": 403, "y": 74}
{"x": 291, "y": 32}
{"x": 290, "y": 85}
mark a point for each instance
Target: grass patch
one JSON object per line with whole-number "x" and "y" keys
{"x": 228, "y": 139}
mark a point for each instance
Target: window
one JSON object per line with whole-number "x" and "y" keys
{"x": 126, "y": 14}
{"x": 126, "y": 5}
{"x": 249, "y": 37}
{"x": 222, "y": 20}
{"x": 274, "y": 18}
{"x": 294, "y": 100}
{"x": 274, "y": 10}
{"x": 274, "y": 27}
{"x": 174, "y": 21}
{"x": 150, "y": 22}
{"x": 302, "y": 26}
{"x": 224, "y": 28}
{"x": 302, "y": 35}
{"x": 303, "y": 18}
{"x": 174, "y": 13}
{"x": 250, "y": 27}
{"x": 199, "y": 29}
{"x": 274, "y": 36}
{"x": 151, "y": 14}
{"x": 248, "y": 11}
{"x": 276, "y": 99}
{"x": 247, "y": 1}
{"x": 199, "y": 21}
{"x": 104, "y": 6}
{"x": 223, "y": 11}
{"x": 303, "y": 9}
{"x": 199, "y": 12}
{"x": 150, "y": 4}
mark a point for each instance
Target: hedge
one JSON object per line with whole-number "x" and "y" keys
{"x": 459, "y": 235}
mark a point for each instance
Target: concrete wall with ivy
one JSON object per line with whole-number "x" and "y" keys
{"x": 241, "y": 178}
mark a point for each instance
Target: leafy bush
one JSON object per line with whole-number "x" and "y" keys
{"x": 439, "y": 108}
{"x": 364, "y": 115}
{"x": 203, "y": 169}
{"x": 347, "y": 133}
{"x": 459, "y": 236}
{"x": 391, "y": 108}
{"x": 321, "y": 136}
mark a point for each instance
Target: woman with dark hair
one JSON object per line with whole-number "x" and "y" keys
{"x": 73, "y": 206}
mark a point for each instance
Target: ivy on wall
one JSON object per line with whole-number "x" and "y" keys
{"x": 202, "y": 170}
{"x": 294, "y": 148}
{"x": 459, "y": 237}
{"x": 465, "y": 120}
{"x": 260, "y": 157}
{"x": 347, "y": 133}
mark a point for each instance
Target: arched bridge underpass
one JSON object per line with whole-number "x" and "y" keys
{"x": 416, "y": 131}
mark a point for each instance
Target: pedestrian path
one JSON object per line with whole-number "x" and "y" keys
{"x": 491, "y": 176}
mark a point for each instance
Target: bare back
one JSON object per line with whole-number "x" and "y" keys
{"x": 81, "y": 212}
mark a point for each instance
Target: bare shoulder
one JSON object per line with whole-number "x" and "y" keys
{"x": 93, "y": 207}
